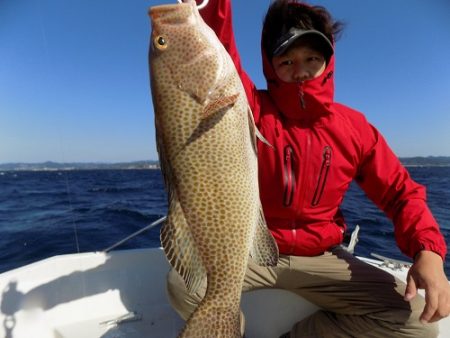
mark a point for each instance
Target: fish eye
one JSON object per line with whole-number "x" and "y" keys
{"x": 160, "y": 42}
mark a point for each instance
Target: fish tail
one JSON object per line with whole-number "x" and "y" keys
{"x": 210, "y": 320}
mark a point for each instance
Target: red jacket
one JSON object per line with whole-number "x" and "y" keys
{"x": 319, "y": 147}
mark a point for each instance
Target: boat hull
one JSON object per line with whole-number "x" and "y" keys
{"x": 123, "y": 294}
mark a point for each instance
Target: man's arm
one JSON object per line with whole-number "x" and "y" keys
{"x": 388, "y": 184}
{"x": 218, "y": 15}
{"x": 417, "y": 233}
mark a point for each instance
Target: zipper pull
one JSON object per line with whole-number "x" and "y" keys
{"x": 287, "y": 154}
{"x": 327, "y": 155}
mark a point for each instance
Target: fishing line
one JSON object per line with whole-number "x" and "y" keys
{"x": 71, "y": 211}
{"x": 66, "y": 176}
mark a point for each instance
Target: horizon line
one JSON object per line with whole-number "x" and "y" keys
{"x": 157, "y": 160}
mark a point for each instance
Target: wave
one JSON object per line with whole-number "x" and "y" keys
{"x": 43, "y": 214}
{"x": 116, "y": 190}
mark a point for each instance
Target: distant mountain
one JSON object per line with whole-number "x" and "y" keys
{"x": 442, "y": 161}
{"x": 429, "y": 161}
{"x": 79, "y": 166}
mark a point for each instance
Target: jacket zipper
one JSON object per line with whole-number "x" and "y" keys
{"x": 294, "y": 238}
{"x": 289, "y": 176}
{"x": 326, "y": 78}
{"x": 302, "y": 96}
{"x": 301, "y": 182}
{"x": 323, "y": 174}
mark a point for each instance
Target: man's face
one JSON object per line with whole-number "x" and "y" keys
{"x": 299, "y": 63}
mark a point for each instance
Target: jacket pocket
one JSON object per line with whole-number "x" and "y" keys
{"x": 323, "y": 174}
{"x": 288, "y": 176}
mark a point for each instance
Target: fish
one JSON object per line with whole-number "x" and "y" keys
{"x": 207, "y": 146}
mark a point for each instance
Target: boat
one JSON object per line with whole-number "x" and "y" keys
{"x": 122, "y": 293}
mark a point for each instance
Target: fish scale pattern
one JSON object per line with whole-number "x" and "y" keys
{"x": 205, "y": 142}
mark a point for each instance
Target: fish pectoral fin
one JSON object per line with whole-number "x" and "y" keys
{"x": 217, "y": 105}
{"x": 180, "y": 248}
{"x": 254, "y": 132}
{"x": 264, "y": 250}
{"x": 262, "y": 138}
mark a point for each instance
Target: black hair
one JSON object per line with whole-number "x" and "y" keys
{"x": 285, "y": 14}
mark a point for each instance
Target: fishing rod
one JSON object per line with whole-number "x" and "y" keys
{"x": 126, "y": 239}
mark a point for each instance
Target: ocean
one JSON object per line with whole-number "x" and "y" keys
{"x": 47, "y": 213}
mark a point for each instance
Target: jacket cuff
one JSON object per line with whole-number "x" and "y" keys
{"x": 416, "y": 247}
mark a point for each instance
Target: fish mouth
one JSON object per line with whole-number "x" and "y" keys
{"x": 171, "y": 13}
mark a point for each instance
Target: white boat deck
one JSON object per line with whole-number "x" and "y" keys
{"x": 81, "y": 295}
{"x": 121, "y": 294}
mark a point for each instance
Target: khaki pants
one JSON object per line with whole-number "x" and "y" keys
{"x": 357, "y": 299}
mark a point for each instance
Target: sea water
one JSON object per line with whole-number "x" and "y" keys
{"x": 47, "y": 213}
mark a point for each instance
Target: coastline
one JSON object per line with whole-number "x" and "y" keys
{"x": 426, "y": 162}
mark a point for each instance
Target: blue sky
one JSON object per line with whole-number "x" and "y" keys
{"x": 74, "y": 82}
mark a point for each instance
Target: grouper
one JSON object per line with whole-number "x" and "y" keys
{"x": 206, "y": 140}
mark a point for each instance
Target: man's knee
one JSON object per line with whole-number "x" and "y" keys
{"x": 429, "y": 330}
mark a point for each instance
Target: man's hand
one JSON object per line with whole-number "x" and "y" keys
{"x": 427, "y": 273}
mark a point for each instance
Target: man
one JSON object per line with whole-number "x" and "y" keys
{"x": 319, "y": 147}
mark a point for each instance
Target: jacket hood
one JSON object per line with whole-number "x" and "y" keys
{"x": 308, "y": 100}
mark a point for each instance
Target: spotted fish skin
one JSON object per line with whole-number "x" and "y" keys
{"x": 207, "y": 148}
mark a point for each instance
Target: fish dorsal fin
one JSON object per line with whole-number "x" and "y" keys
{"x": 264, "y": 250}
{"x": 180, "y": 248}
